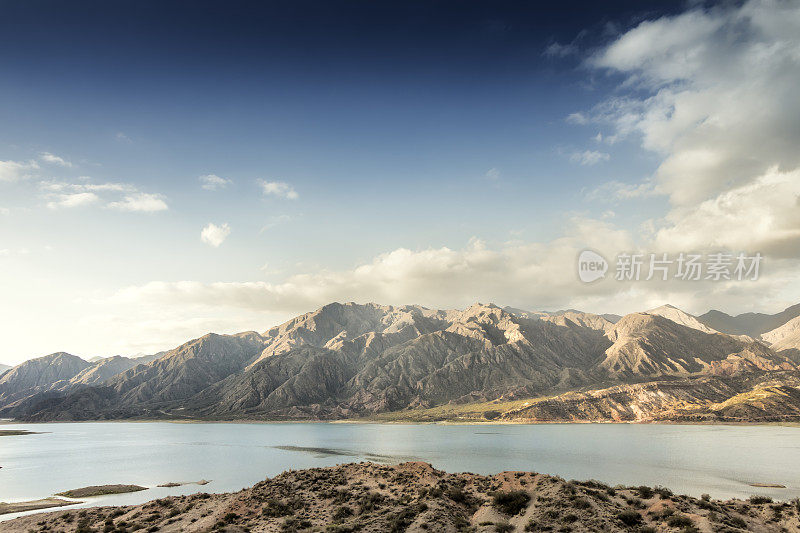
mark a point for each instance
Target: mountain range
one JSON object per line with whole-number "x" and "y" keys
{"x": 366, "y": 361}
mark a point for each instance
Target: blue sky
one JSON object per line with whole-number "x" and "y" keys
{"x": 400, "y": 126}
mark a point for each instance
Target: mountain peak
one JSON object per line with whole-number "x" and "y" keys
{"x": 680, "y": 317}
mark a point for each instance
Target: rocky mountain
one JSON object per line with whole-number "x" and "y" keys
{"x": 764, "y": 397}
{"x": 40, "y": 372}
{"x": 646, "y": 345}
{"x": 750, "y": 324}
{"x": 57, "y": 373}
{"x": 680, "y": 317}
{"x": 785, "y": 339}
{"x": 351, "y": 360}
{"x": 3, "y": 369}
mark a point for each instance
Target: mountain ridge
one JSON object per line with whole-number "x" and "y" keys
{"x": 348, "y": 360}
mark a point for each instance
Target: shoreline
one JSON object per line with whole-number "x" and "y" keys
{"x": 367, "y": 421}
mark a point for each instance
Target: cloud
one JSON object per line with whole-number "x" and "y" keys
{"x": 559, "y": 50}
{"x": 53, "y": 159}
{"x": 617, "y": 190}
{"x": 121, "y": 137}
{"x": 57, "y": 186}
{"x": 4, "y": 211}
{"x": 492, "y": 174}
{"x": 78, "y": 199}
{"x": 521, "y": 273}
{"x": 760, "y": 216}
{"x": 577, "y": 118}
{"x": 713, "y": 93}
{"x": 140, "y": 202}
{"x": 527, "y": 275}
{"x": 212, "y": 182}
{"x": 278, "y": 188}
{"x": 14, "y": 170}
{"x": 215, "y": 235}
{"x": 589, "y": 157}
{"x": 68, "y": 194}
{"x": 275, "y": 220}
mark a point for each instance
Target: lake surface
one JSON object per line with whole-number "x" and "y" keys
{"x": 689, "y": 459}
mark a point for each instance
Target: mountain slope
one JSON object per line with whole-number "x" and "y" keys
{"x": 648, "y": 345}
{"x": 784, "y": 337}
{"x": 3, "y": 368}
{"x": 770, "y": 397}
{"x": 418, "y": 357}
{"x": 351, "y": 360}
{"x": 750, "y": 324}
{"x": 54, "y": 374}
{"x": 680, "y": 317}
{"x": 41, "y": 373}
{"x": 187, "y": 369}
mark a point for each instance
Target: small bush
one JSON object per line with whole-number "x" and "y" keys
{"x": 457, "y": 495}
{"x": 758, "y": 500}
{"x": 511, "y": 503}
{"x": 663, "y": 492}
{"x": 630, "y": 518}
{"x": 581, "y": 503}
{"x": 736, "y": 521}
{"x": 276, "y": 508}
{"x": 342, "y": 512}
{"x": 679, "y": 520}
{"x": 503, "y": 527}
{"x": 645, "y": 492}
{"x": 491, "y": 415}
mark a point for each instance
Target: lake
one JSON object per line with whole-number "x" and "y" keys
{"x": 689, "y": 459}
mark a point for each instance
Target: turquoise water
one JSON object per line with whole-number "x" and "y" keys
{"x": 719, "y": 460}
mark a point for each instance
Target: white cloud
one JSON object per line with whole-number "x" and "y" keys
{"x": 720, "y": 108}
{"x": 215, "y": 235}
{"x": 519, "y": 273}
{"x": 141, "y": 202}
{"x": 617, "y": 190}
{"x": 577, "y": 118}
{"x": 57, "y": 186}
{"x": 589, "y": 157}
{"x": 115, "y": 195}
{"x": 761, "y": 216}
{"x": 278, "y": 188}
{"x": 53, "y": 159}
{"x": 492, "y": 174}
{"x": 559, "y": 50}
{"x": 4, "y": 211}
{"x": 15, "y": 170}
{"x": 78, "y": 199}
{"x": 212, "y": 182}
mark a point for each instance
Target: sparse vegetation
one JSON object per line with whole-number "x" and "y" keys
{"x": 511, "y": 503}
{"x": 630, "y": 518}
{"x": 359, "y": 497}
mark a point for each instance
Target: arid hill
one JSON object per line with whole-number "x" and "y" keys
{"x": 416, "y": 498}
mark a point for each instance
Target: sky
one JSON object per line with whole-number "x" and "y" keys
{"x": 172, "y": 168}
